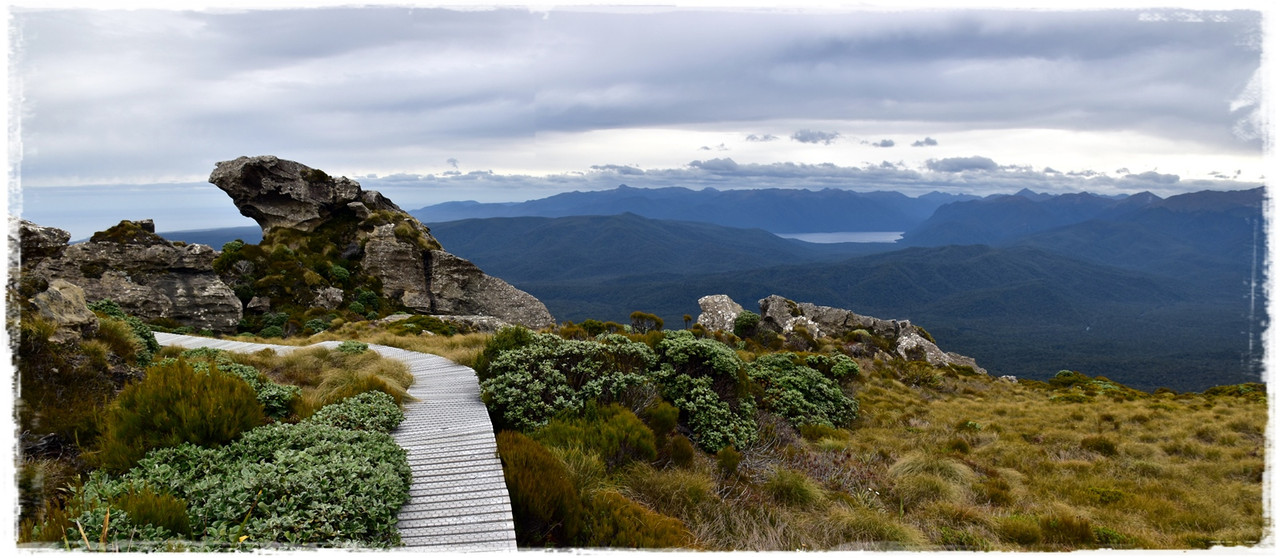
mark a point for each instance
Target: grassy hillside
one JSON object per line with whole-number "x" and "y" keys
{"x": 930, "y": 459}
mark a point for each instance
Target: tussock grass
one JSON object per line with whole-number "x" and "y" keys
{"x": 328, "y": 376}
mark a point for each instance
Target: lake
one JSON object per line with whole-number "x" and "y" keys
{"x": 835, "y": 237}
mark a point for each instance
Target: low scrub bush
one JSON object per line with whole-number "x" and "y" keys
{"x": 373, "y": 411}
{"x": 174, "y": 405}
{"x": 613, "y": 432}
{"x": 110, "y": 514}
{"x": 615, "y": 521}
{"x": 800, "y": 393}
{"x": 544, "y": 502}
{"x": 297, "y": 484}
{"x": 790, "y": 488}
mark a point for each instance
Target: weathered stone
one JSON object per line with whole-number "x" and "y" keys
{"x": 64, "y": 305}
{"x": 782, "y": 315}
{"x": 329, "y": 298}
{"x": 279, "y": 193}
{"x": 458, "y": 287}
{"x": 718, "y": 312}
{"x": 390, "y": 245}
{"x": 37, "y": 242}
{"x": 147, "y": 276}
{"x": 259, "y": 304}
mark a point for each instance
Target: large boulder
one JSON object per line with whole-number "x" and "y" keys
{"x": 289, "y": 200}
{"x": 63, "y": 304}
{"x": 284, "y": 194}
{"x": 146, "y": 275}
{"x": 718, "y": 312}
{"x": 37, "y": 243}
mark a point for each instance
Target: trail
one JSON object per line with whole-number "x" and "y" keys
{"x": 458, "y": 498}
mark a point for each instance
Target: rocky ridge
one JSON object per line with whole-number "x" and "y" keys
{"x": 784, "y": 316}
{"x": 145, "y": 274}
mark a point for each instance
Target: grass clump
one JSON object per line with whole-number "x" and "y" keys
{"x": 543, "y": 499}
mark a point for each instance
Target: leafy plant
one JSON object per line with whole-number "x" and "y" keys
{"x": 176, "y": 405}
{"x": 613, "y": 432}
{"x": 374, "y": 411}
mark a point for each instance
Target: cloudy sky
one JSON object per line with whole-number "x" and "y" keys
{"x": 123, "y": 113}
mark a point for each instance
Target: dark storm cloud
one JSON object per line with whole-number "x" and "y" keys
{"x": 960, "y": 164}
{"x": 815, "y": 136}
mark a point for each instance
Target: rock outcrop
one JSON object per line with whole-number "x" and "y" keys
{"x": 718, "y": 312}
{"x": 782, "y": 315}
{"x": 293, "y": 202}
{"x": 63, "y": 304}
{"x": 146, "y": 275}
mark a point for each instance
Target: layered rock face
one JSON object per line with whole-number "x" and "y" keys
{"x": 287, "y": 198}
{"x": 145, "y": 274}
{"x": 781, "y": 315}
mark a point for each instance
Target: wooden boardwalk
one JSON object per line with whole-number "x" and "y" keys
{"x": 458, "y": 498}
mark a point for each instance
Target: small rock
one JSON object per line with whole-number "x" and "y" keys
{"x": 63, "y": 303}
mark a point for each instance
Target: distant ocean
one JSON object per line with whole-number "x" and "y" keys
{"x": 835, "y": 237}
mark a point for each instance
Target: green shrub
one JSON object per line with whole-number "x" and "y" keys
{"x": 706, "y": 380}
{"x": 175, "y": 405}
{"x": 615, "y": 521}
{"x": 800, "y": 393}
{"x": 727, "y": 460}
{"x": 545, "y": 506}
{"x": 662, "y": 418}
{"x": 744, "y": 326}
{"x": 145, "y": 506}
{"x": 303, "y": 483}
{"x": 681, "y": 451}
{"x": 418, "y": 324}
{"x": 276, "y": 399}
{"x": 352, "y": 347}
{"x": 644, "y": 322}
{"x": 271, "y": 332}
{"x": 122, "y": 515}
{"x": 315, "y": 325}
{"x": 374, "y": 411}
{"x": 613, "y": 432}
{"x": 506, "y": 339}
{"x": 528, "y": 385}
{"x": 838, "y": 367}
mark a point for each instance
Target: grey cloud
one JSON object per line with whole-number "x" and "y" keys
{"x": 761, "y": 137}
{"x": 814, "y": 136}
{"x": 618, "y": 169}
{"x": 926, "y": 142}
{"x": 452, "y": 162}
{"x": 881, "y": 143}
{"x": 1154, "y": 177}
{"x": 960, "y": 164}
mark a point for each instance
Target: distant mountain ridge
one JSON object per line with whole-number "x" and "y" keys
{"x": 778, "y": 210}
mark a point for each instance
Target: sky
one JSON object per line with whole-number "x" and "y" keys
{"x": 123, "y": 113}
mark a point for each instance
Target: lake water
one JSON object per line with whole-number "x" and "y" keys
{"x": 834, "y": 237}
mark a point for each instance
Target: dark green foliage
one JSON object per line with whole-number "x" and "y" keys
{"x": 303, "y": 483}
{"x": 644, "y": 322}
{"x": 707, "y": 382}
{"x": 62, "y": 387}
{"x": 727, "y": 460}
{"x": 271, "y": 331}
{"x": 838, "y": 367}
{"x": 145, "y": 506}
{"x": 544, "y": 502}
{"x": 525, "y": 387}
{"x": 744, "y": 325}
{"x": 175, "y": 405}
{"x": 315, "y": 325}
{"x": 352, "y": 347}
{"x": 662, "y": 418}
{"x": 507, "y": 339}
{"x": 1067, "y": 378}
{"x": 681, "y": 450}
{"x": 356, "y": 307}
{"x": 800, "y": 393}
{"x": 593, "y": 327}
{"x": 374, "y": 411}
{"x": 147, "y": 344}
{"x": 615, "y": 521}
{"x": 613, "y": 432}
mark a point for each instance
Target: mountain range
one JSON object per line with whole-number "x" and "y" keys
{"x": 1149, "y": 291}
